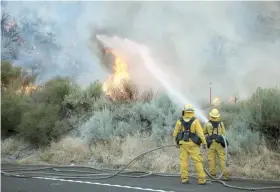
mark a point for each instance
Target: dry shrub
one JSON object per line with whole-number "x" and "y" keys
{"x": 127, "y": 91}
{"x": 67, "y": 151}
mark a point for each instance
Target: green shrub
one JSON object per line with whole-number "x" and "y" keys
{"x": 50, "y": 112}
{"x": 243, "y": 140}
{"x": 156, "y": 118}
{"x": 13, "y": 107}
{"x": 14, "y": 103}
{"x": 9, "y": 74}
{"x": 255, "y": 120}
{"x": 231, "y": 108}
{"x": 13, "y": 77}
{"x": 80, "y": 105}
{"x": 94, "y": 90}
{"x": 55, "y": 90}
{"x": 81, "y": 101}
{"x": 41, "y": 125}
{"x": 264, "y": 106}
{"x": 98, "y": 127}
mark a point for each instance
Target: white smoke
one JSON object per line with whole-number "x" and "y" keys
{"x": 232, "y": 44}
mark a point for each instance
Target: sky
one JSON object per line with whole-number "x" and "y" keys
{"x": 235, "y": 45}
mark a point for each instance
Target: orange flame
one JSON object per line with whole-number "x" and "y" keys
{"x": 28, "y": 89}
{"x": 116, "y": 80}
{"x": 217, "y": 101}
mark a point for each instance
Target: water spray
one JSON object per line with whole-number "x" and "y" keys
{"x": 150, "y": 65}
{"x": 144, "y": 52}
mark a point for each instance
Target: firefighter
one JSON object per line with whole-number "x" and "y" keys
{"x": 188, "y": 136}
{"x": 213, "y": 131}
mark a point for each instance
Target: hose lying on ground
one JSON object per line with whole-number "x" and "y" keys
{"x": 121, "y": 172}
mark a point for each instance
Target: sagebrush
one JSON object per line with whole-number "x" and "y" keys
{"x": 60, "y": 108}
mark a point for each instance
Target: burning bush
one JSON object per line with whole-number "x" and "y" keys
{"x": 17, "y": 79}
{"x": 116, "y": 108}
{"x": 13, "y": 105}
{"x": 119, "y": 87}
{"x": 35, "y": 117}
{"x": 9, "y": 74}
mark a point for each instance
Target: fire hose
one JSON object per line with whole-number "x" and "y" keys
{"x": 121, "y": 172}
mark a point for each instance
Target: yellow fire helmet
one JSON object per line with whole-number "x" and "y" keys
{"x": 214, "y": 113}
{"x": 188, "y": 108}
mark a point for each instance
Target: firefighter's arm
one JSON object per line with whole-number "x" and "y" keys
{"x": 223, "y": 128}
{"x": 205, "y": 132}
{"x": 177, "y": 128}
{"x": 199, "y": 132}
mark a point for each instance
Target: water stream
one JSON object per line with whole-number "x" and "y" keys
{"x": 150, "y": 64}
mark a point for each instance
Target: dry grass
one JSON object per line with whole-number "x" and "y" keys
{"x": 13, "y": 149}
{"x": 265, "y": 165}
{"x": 67, "y": 151}
{"x": 11, "y": 146}
{"x": 119, "y": 152}
{"x": 31, "y": 159}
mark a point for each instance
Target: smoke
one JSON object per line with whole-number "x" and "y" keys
{"x": 69, "y": 51}
{"x": 234, "y": 45}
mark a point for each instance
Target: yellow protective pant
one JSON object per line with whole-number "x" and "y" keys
{"x": 217, "y": 149}
{"x": 191, "y": 149}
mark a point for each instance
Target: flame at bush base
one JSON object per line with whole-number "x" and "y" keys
{"x": 114, "y": 86}
{"x": 28, "y": 89}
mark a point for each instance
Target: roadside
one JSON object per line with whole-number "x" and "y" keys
{"x": 115, "y": 155}
{"x": 118, "y": 183}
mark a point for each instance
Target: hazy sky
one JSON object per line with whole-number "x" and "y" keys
{"x": 233, "y": 44}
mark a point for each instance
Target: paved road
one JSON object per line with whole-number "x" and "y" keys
{"x": 117, "y": 184}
